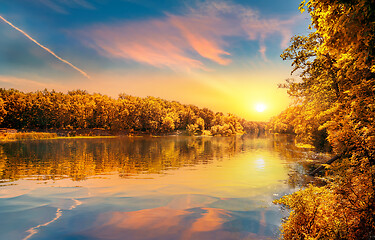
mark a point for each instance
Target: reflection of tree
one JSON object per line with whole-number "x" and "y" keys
{"x": 81, "y": 158}
{"x": 299, "y": 160}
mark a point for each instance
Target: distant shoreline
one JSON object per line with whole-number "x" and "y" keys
{"x": 9, "y": 135}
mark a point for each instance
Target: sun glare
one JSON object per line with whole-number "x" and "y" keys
{"x": 260, "y": 107}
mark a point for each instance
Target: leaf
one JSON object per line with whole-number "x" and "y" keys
{"x": 301, "y": 6}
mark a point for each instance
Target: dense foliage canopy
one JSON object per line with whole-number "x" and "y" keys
{"x": 50, "y": 110}
{"x": 334, "y": 105}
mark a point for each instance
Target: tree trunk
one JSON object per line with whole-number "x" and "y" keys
{"x": 330, "y": 161}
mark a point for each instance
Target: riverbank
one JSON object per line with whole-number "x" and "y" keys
{"x": 7, "y": 135}
{"x": 14, "y": 135}
{"x": 18, "y": 136}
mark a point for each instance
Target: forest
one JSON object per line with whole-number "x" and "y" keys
{"x": 77, "y": 110}
{"x": 333, "y": 90}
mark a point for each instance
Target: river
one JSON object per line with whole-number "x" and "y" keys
{"x": 160, "y": 188}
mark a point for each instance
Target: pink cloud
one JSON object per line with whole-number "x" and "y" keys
{"x": 151, "y": 42}
{"x": 189, "y": 41}
{"x": 201, "y": 35}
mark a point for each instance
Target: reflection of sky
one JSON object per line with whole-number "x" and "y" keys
{"x": 184, "y": 204}
{"x": 112, "y": 216}
{"x": 224, "y": 51}
{"x": 226, "y": 198}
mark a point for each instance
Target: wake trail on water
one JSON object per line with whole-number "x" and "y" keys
{"x": 34, "y": 230}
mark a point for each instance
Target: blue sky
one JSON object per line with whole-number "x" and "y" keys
{"x": 218, "y": 54}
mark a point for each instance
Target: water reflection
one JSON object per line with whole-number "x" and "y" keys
{"x": 145, "y": 188}
{"x": 81, "y": 158}
{"x": 260, "y": 164}
{"x": 167, "y": 223}
{"x": 34, "y": 230}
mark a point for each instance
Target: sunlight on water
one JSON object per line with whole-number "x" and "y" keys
{"x": 143, "y": 188}
{"x": 260, "y": 164}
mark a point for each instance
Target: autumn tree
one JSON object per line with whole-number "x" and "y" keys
{"x": 336, "y": 96}
{"x": 3, "y": 112}
{"x": 50, "y": 110}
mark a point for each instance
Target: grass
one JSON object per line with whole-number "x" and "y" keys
{"x": 8, "y": 137}
{"x": 26, "y": 136}
{"x": 70, "y": 137}
{"x": 303, "y": 145}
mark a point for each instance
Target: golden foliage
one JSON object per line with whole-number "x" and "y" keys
{"x": 45, "y": 110}
{"x": 335, "y": 102}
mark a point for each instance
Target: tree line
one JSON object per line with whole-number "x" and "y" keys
{"x": 334, "y": 108}
{"x": 51, "y": 110}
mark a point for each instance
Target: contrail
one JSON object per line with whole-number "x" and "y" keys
{"x": 45, "y": 48}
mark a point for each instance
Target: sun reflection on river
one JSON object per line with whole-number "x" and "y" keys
{"x": 260, "y": 164}
{"x": 142, "y": 188}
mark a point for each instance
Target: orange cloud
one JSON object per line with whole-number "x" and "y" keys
{"x": 206, "y": 46}
{"x": 24, "y": 84}
{"x": 186, "y": 42}
{"x": 151, "y": 42}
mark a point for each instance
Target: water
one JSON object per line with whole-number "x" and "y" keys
{"x": 145, "y": 187}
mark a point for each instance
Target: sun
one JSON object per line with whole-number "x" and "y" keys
{"x": 260, "y": 107}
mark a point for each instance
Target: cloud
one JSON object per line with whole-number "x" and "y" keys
{"x": 61, "y": 6}
{"x": 151, "y": 42}
{"x": 187, "y": 41}
{"x": 24, "y": 84}
{"x": 201, "y": 36}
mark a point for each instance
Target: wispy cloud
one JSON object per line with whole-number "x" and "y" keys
{"x": 62, "y": 6}
{"x": 201, "y": 35}
{"x": 45, "y": 48}
{"x": 188, "y": 40}
{"x": 152, "y": 42}
{"x": 27, "y": 84}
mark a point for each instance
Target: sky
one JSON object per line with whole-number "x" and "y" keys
{"x": 223, "y": 55}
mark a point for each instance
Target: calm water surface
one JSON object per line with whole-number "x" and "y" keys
{"x": 145, "y": 188}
